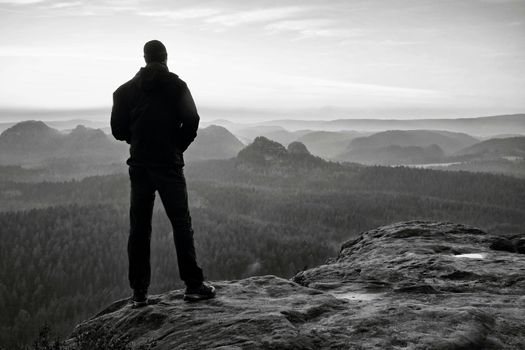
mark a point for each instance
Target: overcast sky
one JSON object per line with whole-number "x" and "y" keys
{"x": 397, "y": 58}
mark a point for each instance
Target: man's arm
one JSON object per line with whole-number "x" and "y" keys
{"x": 189, "y": 118}
{"x": 120, "y": 118}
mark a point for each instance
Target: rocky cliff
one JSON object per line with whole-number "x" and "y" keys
{"x": 410, "y": 285}
{"x": 265, "y": 155}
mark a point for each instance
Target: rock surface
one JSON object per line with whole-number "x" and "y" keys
{"x": 410, "y": 285}
{"x": 297, "y": 147}
{"x": 267, "y": 155}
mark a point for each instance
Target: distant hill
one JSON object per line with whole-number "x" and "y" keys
{"x": 482, "y": 126}
{"x": 28, "y": 141}
{"x": 92, "y": 143}
{"x": 448, "y": 141}
{"x": 499, "y": 136}
{"x": 275, "y": 133}
{"x": 60, "y": 119}
{"x": 285, "y": 137}
{"x": 63, "y": 125}
{"x": 213, "y": 142}
{"x": 498, "y": 147}
{"x": 405, "y": 147}
{"x": 249, "y": 133}
{"x": 328, "y": 144}
{"x": 33, "y": 142}
{"x": 394, "y": 154}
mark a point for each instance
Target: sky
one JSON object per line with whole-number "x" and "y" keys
{"x": 307, "y": 58}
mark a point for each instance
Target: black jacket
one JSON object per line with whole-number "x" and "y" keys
{"x": 154, "y": 112}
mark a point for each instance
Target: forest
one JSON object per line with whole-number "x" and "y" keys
{"x": 63, "y": 252}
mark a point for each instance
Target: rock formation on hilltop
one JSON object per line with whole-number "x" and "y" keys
{"x": 269, "y": 155}
{"x": 297, "y": 147}
{"x": 411, "y": 285}
{"x": 262, "y": 150}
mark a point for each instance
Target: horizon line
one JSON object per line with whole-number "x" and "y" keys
{"x": 278, "y": 114}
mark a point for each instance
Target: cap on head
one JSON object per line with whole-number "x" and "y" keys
{"x": 155, "y": 51}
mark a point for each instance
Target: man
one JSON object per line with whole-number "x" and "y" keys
{"x": 154, "y": 112}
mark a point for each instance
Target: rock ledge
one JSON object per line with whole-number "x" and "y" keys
{"x": 410, "y": 285}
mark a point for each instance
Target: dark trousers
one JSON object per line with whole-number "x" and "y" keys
{"x": 171, "y": 186}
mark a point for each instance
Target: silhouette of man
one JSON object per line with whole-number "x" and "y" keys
{"x": 155, "y": 113}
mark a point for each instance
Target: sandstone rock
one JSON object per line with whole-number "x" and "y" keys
{"x": 504, "y": 244}
{"x": 262, "y": 150}
{"x": 411, "y": 285}
{"x": 519, "y": 245}
{"x": 297, "y": 147}
{"x": 509, "y": 244}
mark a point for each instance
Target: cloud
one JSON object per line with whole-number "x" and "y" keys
{"x": 21, "y": 2}
{"x": 501, "y": 2}
{"x": 366, "y": 89}
{"x": 184, "y": 14}
{"x": 62, "y": 8}
{"x": 505, "y": 54}
{"x": 313, "y": 28}
{"x": 64, "y": 4}
{"x": 275, "y": 20}
{"x": 227, "y": 18}
{"x": 391, "y": 42}
{"x": 80, "y": 52}
{"x": 255, "y": 16}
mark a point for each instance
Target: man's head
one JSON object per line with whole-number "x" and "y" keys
{"x": 155, "y": 51}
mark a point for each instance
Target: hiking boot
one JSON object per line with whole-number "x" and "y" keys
{"x": 202, "y": 292}
{"x": 139, "y": 298}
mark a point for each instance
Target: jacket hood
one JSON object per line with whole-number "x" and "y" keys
{"x": 153, "y": 76}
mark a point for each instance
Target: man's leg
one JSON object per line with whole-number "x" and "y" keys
{"x": 141, "y": 211}
{"x": 171, "y": 185}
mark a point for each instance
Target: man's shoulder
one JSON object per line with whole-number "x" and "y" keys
{"x": 122, "y": 89}
{"x": 129, "y": 87}
{"x": 177, "y": 81}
